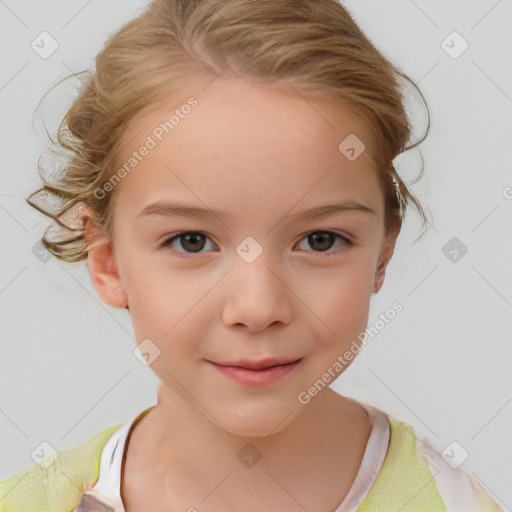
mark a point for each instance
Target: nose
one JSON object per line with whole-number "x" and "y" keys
{"x": 257, "y": 295}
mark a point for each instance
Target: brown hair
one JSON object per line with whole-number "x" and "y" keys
{"x": 315, "y": 47}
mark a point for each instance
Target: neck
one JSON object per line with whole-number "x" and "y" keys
{"x": 323, "y": 430}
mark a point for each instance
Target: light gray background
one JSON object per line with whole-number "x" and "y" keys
{"x": 67, "y": 368}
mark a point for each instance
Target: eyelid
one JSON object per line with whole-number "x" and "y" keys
{"x": 175, "y": 235}
{"x": 342, "y": 234}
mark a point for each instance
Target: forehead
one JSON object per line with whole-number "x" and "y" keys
{"x": 223, "y": 106}
{"x": 240, "y": 141}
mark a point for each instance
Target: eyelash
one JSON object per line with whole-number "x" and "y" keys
{"x": 166, "y": 244}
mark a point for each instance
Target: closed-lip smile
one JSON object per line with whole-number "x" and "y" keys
{"x": 259, "y": 365}
{"x": 259, "y": 373}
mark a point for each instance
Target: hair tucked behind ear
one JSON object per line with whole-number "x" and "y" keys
{"x": 314, "y": 47}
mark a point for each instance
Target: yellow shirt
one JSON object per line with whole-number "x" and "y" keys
{"x": 399, "y": 472}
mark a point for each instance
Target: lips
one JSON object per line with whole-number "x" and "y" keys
{"x": 260, "y": 373}
{"x": 259, "y": 365}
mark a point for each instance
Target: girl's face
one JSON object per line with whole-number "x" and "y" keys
{"x": 252, "y": 285}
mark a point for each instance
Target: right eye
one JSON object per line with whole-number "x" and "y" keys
{"x": 191, "y": 241}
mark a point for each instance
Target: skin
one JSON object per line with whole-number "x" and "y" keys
{"x": 259, "y": 154}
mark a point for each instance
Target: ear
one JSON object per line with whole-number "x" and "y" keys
{"x": 387, "y": 250}
{"x": 102, "y": 264}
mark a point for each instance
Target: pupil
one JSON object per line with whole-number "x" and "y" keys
{"x": 322, "y": 238}
{"x": 193, "y": 244}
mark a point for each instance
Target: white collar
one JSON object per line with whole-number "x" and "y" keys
{"x": 105, "y": 496}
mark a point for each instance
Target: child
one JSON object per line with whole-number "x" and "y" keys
{"x": 255, "y": 130}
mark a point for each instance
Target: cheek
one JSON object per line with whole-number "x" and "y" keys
{"x": 151, "y": 301}
{"x": 167, "y": 309}
{"x": 341, "y": 301}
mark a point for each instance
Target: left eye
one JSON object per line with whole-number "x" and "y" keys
{"x": 193, "y": 241}
{"x": 323, "y": 240}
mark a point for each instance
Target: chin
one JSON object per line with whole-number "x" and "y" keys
{"x": 249, "y": 420}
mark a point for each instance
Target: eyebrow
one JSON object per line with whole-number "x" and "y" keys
{"x": 177, "y": 209}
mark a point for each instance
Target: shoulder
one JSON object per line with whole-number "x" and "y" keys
{"x": 57, "y": 482}
{"x": 415, "y": 476}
